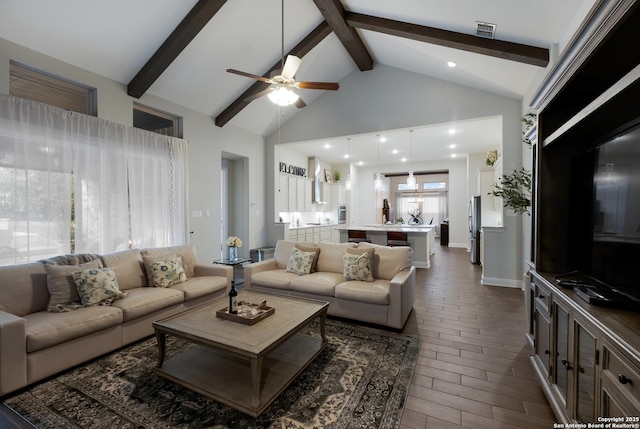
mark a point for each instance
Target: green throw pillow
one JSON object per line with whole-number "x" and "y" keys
{"x": 300, "y": 262}
{"x": 357, "y": 267}
{"x": 97, "y": 286}
{"x": 168, "y": 272}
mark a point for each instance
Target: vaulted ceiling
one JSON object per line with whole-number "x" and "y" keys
{"x": 179, "y": 50}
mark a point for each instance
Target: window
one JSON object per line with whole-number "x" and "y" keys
{"x": 156, "y": 121}
{"x": 73, "y": 183}
{"x": 29, "y": 83}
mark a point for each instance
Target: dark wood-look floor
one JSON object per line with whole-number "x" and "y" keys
{"x": 473, "y": 370}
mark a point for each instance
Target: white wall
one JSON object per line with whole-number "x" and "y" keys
{"x": 206, "y": 145}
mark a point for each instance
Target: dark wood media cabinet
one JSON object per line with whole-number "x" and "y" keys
{"x": 586, "y": 357}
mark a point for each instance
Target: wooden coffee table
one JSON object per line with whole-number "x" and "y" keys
{"x": 243, "y": 366}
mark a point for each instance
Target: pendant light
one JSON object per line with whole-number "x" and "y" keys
{"x": 347, "y": 182}
{"x": 377, "y": 183}
{"x": 411, "y": 180}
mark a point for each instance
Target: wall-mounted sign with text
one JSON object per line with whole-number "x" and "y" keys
{"x": 292, "y": 169}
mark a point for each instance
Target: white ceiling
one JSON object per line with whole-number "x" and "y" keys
{"x": 115, "y": 38}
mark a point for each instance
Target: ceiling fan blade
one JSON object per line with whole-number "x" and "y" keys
{"x": 290, "y": 66}
{"x": 300, "y": 103}
{"x": 250, "y": 75}
{"x": 330, "y": 86}
{"x": 259, "y": 94}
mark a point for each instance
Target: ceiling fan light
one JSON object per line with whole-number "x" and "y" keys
{"x": 411, "y": 181}
{"x": 283, "y": 96}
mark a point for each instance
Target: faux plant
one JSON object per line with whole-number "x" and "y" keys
{"x": 515, "y": 190}
{"x": 529, "y": 121}
{"x": 336, "y": 176}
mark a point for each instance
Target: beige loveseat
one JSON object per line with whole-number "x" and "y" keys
{"x": 387, "y": 300}
{"x": 36, "y": 343}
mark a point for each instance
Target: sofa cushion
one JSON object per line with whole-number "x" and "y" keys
{"x": 186, "y": 252}
{"x": 145, "y": 300}
{"x": 276, "y": 279}
{"x": 300, "y": 262}
{"x": 196, "y": 287}
{"x": 48, "y": 329}
{"x": 320, "y": 283}
{"x": 373, "y": 293}
{"x": 282, "y": 252}
{"x": 330, "y": 259}
{"x": 389, "y": 261}
{"x": 23, "y": 288}
{"x": 97, "y": 286}
{"x": 128, "y": 267}
{"x": 315, "y": 250}
{"x": 168, "y": 272}
{"x": 63, "y": 293}
{"x": 357, "y": 267}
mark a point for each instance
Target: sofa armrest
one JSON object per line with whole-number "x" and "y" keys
{"x": 203, "y": 270}
{"x": 402, "y": 296}
{"x": 256, "y": 267}
{"x": 13, "y": 352}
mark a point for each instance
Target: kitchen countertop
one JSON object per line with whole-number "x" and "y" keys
{"x": 380, "y": 227}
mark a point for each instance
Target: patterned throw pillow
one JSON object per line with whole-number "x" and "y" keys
{"x": 300, "y": 262}
{"x": 357, "y": 267}
{"x": 97, "y": 286}
{"x": 168, "y": 272}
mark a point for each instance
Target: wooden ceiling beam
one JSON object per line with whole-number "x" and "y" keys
{"x": 183, "y": 34}
{"x": 300, "y": 50}
{"x": 334, "y": 14}
{"x": 496, "y": 48}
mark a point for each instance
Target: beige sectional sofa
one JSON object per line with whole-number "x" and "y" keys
{"x": 387, "y": 300}
{"x": 36, "y": 343}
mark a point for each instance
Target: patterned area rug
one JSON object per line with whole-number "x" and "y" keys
{"x": 360, "y": 380}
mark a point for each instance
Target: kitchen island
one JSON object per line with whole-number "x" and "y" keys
{"x": 421, "y": 239}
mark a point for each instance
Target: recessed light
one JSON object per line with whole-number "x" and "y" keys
{"x": 360, "y": 163}
{"x": 383, "y": 139}
{"x": 395, "y": 151}
{"x": 453, "y": 155}
{"x": 451, "y": 64}
{"x": 452, "y": 131}
{"x": 346, "y": 155}
{"x": 452, "y": 146}
{"x": 327, "y": 146}
{"x": 404, "y": 160}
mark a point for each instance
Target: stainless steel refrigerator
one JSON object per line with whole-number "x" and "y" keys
{"x": 474, "y": 228}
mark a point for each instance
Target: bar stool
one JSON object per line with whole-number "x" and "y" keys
{"x": 397, "y": 238}
{"x": 357, "y": 236}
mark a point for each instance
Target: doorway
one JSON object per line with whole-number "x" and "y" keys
{"x": 234, "y": 203}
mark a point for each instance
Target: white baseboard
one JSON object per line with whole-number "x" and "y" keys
{"x": 460, "y": 245}
{"x": 493, "y": 281}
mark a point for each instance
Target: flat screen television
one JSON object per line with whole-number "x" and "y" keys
{"x": 604, "y": 214}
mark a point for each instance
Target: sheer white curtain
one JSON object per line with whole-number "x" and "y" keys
{"x": 127, "y": 186}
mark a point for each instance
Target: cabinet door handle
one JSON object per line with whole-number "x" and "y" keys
{"x": 566, "y": 364}
{"x": 547, "y": 352}
{"x": 623, "y": 379}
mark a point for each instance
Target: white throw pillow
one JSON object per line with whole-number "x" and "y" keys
{"x": 357, "y": 267}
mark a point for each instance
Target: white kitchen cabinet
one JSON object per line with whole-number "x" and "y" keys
{"x": 282, "y": 195}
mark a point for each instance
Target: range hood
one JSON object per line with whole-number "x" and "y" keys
{"x": 316, "y": 170}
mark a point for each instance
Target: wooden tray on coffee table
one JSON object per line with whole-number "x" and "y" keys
{"x": 247, "y": 320}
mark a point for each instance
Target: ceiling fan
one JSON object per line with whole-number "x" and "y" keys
{"x": 282, "y": 84}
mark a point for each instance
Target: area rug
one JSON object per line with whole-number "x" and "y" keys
{"x": 361, "y": 380}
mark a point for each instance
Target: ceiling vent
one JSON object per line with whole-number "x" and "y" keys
{"x": 484, "y": 29}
